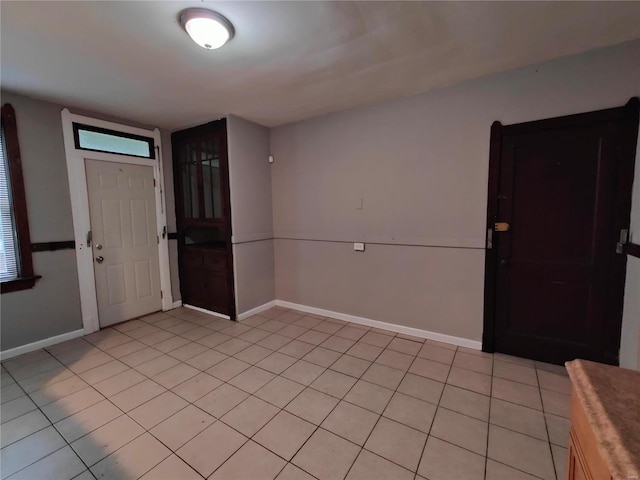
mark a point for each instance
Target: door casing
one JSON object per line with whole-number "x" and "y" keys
{"x": 82, "y": 220}
{"x": 629, "y": 114}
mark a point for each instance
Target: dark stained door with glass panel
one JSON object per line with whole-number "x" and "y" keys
{"x": 203, "y": 216}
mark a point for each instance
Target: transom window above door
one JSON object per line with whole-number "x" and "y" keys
{"x": 97, "y": 139}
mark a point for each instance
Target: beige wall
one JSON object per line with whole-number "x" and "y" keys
{"x": 251, "y": 215}
{"x": 411, "y": 176}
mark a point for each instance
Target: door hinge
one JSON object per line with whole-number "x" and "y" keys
{"x": 161, "y": 294}
{"x": 89, "y": 238}
{"x": 489, "y": 238}
{"x": 623, "y": 240}
{"x": 158, "y": 239}
{"x": 154, "y": 182}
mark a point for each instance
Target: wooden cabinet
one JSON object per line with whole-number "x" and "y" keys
{"x": 203, "y": 217}
{"x": 574, "y": 467}
{"x": 585, "y": 460}
{"x": 605, "y": 422}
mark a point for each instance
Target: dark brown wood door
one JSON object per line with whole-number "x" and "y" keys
{"x": 203, "y": 217}
{"x": 564, "y": 189}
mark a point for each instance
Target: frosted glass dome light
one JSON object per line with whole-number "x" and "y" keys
{"x": 207, "y": 28}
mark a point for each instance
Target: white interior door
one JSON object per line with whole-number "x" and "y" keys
{"x": 125, "y": 246}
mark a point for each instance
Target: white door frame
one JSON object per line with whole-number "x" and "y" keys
{"x": 82, "y": 219}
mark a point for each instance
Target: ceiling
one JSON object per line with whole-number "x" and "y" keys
{"x": 288, "y": 60}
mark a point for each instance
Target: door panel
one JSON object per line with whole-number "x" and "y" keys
{"x": 123, "y": 222}
{"x": 554, "y": 279}
{"x": 142, "y": 273}
{"x": 140, "y": 222}
{"x": 115, "y": 286}
{"x": 203, "y": 215}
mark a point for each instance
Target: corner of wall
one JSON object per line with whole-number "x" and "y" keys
{"x": 251, "y": 214}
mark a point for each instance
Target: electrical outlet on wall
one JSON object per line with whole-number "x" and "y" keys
{"x": 358, "y": 247}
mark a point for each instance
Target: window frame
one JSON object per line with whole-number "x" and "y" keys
{"x": 115, "y": 133}
{"x": 26, "y": 278}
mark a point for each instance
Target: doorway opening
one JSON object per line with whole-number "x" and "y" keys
{"x": 119, "y": 219}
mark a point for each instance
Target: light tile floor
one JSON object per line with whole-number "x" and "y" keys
{"x": 287, "y": 395}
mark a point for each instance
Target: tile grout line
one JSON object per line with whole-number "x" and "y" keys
{"x": 254, "y": 364}
{"x": 51, "y": 424}
{"x": 486, "y": 457}
{"x": 546, "y": 428}
{"x": 339, "y": 400}
{"x": 168, "y": 353}
{"x": 381, "y": 415}
{"x": 297, "y": 359}
{"x": 317, "y": 427}
{"x": 306, "y": 386}
{"x": 145, "y": 430}
{"x": 424, "y": 447}
{"x": 123, "y": 413}
{"x": 116, "y": 406}
{"x": 220, "y": 418}
{"x": 328, "y": 414}
{"x": 126, "y": 413}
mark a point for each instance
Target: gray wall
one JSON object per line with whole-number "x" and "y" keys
{"x": 251, "y": 214}
{"x": 409, "y": 177}
{"x": 52, "y": 307}
{"x": 630, "y": 341}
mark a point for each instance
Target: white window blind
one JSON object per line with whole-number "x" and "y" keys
{"x": 8, "y": 251}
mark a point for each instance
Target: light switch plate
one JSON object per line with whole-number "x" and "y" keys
{"x": 358, "y": 247}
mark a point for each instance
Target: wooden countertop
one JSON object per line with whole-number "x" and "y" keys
{"x": 610, "y": 397}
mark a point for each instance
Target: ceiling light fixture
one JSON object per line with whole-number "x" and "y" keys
{"x": 207, "y": 28}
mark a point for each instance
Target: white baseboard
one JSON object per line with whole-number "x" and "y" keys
{"x": 256, "y": 310}
{"x": 47, "y": 342}
{"x": 392, "y": 327}
{"x": 215, "y": 314}
{"x": 177, "y": 304}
